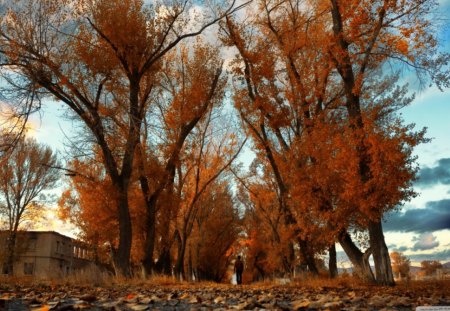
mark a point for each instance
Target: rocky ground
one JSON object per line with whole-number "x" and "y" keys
{"x": 222, "y": 297}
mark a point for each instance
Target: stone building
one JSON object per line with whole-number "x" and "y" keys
{"x": 45, "y": 254}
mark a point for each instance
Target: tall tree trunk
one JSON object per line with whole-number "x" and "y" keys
{"x": 122, "y": 255}
{"x": 150, "y": 236}
{"x": 380, "y": 252}
{"x": 190, "y": 268}
{"x": 288, "y": 260}
{"x": 261, "y": 274}
{"x": 359, "y": 260}
{"x": 308, "y": 256}
{"x": 179, "y": 265}
{"x": 164, "y": 259}
{"x": 11, "y": 246}
{"x": 332, "y": 261}
{"x": 163, "y": 265}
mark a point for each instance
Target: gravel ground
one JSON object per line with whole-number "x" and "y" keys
{"x": 222, "y": 297}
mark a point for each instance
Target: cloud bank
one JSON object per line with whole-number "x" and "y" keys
{"x": 435, "y": 216}
{"x": 440, "y": 256}
{"x": 439, "y": 174}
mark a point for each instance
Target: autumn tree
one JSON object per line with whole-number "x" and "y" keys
{"x": 191, "y": 89}
{"x": 88, "y": 203}
{"x": 214, "y": 234}
{"x": 430, "y": 266}
{"x": 400, "y": 265}
{"x": 280, "y": 93}
{"x": 15, "y": 110}
{"x": 267, "y": 238}
{"x": 28, "y": 171}
{"x": 210, "y": 155}
{"x": 188, "y": 96}
{"x": 99, "y": 58}
{"x": 365, "y": 35}
{"x": 316, "y": 99}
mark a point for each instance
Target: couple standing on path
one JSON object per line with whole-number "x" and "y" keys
{"x": 238, "y": 269}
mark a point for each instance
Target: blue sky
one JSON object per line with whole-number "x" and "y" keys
{"x": 422, "y": 229}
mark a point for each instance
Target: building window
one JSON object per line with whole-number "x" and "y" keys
{"x": 32, "y": 244}
{"x": 28, "y": 268}
{"x": 57, "y": 247}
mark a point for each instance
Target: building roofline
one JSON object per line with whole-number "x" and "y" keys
{"x": 46, "y": 231}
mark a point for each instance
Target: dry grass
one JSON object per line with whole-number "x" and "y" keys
{"x": 340, "y": 281}
{"x": 94, "y": 277}
{"x": 91, "y": 275}
{"x": 14, "y": 280}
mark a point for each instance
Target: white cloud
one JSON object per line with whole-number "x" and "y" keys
{"x": 425, "y": 241}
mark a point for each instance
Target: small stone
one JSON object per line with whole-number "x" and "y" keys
{"x": 109, "y": 304}
{"x": 137, "y": 307}
{"x": 185, "y": 296}
{"x": 147, "y": 300}
{"x": 300, "y": 304}
{"x": 315, "y": 305}
{"x": 377, "y": 301}
{"x": 195, "y": 299}
{"x": 88, "y": 298}
{"x": 243, "y": 306}
{"x": 400, "y": 302}
{"x": 82, "y": 306}
{"x": 357, "y": 300}
{"x": 335, "y": 305}
{"x": 173, "y": 295}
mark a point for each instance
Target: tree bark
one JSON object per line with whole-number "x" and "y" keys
{"x": 179, "y": 264}
{"x": 359, "y": 260}
{"x": 148, "y": 263}
{"x": 11, "y": 245}
{"x": 122, "y": 255}
{"x": 332, "y": 261}
{"x": 308, "y": 256}
{"x": 164, "y": 264}
{"x": 383, "y": 269}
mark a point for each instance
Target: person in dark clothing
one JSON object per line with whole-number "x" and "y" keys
{"x": 238, "y": 269}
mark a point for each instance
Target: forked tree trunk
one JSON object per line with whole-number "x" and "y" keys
{"x": 332, "y": 261}
{"x": 380, "y": 252}
{"x": 359, "y": 259}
